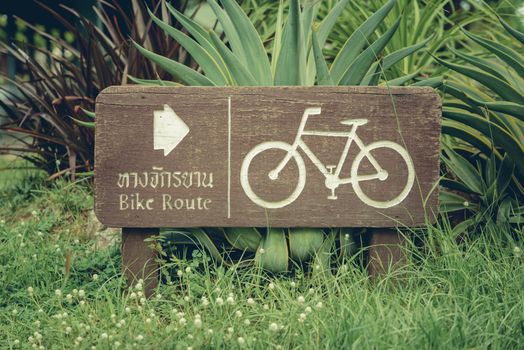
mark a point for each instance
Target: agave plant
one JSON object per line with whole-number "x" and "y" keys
{"x": 484, "y": 124}
{"x": 293, "y": 56}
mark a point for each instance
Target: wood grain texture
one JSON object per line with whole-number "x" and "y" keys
{"x": 138, "y": 259}
{"x": 386, "y": 251}
{"x": 219, "y": 142}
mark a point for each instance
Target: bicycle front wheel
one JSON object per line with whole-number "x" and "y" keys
{"x": 247, "y": 174}
{"x": 405, "y": 183}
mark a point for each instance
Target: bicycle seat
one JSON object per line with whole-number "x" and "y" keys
{"x": 356, "y": 122}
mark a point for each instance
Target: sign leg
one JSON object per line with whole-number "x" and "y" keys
{"x": 386, "y": 251}
{"x": 138, "y": 259}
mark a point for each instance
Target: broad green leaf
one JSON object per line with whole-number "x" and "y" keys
{"x": 322, "y": 261}
{"x": 515, "y": 33}
{"x": 450, "y": 201}
{"x": 230, "y": 31}
{"x": 358, "y": 69}
{"x": 401, "y": 80}
{"x": 200, "y": 34}
{"x": 390, "y": 60}
{"x": 256, "y": 56}
{"x": 304, "y": 242}
{"x": 324, "y": 29}
{"x": 501, "y": 138}
{"x": 181, "y": 72}
{"x": 463, "y": 169}
{"x": 431, "y": 82}
{"x": 468, "y": 134}
{"x": 241, "y": 75}
{"x": 514, "y": 109}
{"x": 352, "y": 47}
{"x": 291, "y": 64}
{"x": 277, "y": 38}
{"x": 210, "y": 67}
{"x": 309, "y": 13}
{"x": 497, "y": 85}
{"x": 506, "y": 54}
{"x": 323, "y": 77}
{"x": 243, "y": 238}
{"x": 157, "y": 82}
{"x": 274, "y": 256}
{"x": 480, "y": 63}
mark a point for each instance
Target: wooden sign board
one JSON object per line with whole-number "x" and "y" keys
{"x": 266, "y": 156}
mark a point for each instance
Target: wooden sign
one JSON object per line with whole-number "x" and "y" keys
{"x": 266, "y": 156}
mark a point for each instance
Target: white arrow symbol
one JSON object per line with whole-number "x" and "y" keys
{"x": 169, "y": 130}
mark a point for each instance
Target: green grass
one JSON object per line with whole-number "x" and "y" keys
{"x": 447, "y": 296}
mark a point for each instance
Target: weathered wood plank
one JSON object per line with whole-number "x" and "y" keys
{"x": 386, "y": 251}
{"x": 220, "y": 165}
{"x": 138, "y": 259}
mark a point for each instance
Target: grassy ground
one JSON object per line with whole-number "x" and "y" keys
{"x": 60, "y": 288}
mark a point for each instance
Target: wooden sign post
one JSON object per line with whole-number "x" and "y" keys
{"x": 259, "y": 156}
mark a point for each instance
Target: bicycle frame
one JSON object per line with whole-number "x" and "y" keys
{"x": 351, "y": 137}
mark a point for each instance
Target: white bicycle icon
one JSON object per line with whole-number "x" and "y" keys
{"x": 331, "y": 173}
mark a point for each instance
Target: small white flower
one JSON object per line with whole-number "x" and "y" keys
{"x": 238, "y": 313}
{"x": 148, "y": 320}
{"x": 40, "y": 311}
{"x": 104, "y": 336}
{"x": 34, "y": 213}
{"x": 95, "y": 277}
{"x": 16, "y": 342}
{"x": 188, "y": 269}
{"x": 198, "y": 323}
{"x": 219, "y": 301}
{"x": 230, "y": 330}
{"x": 30, "y": 291}
{"x": 190, "y": 336}
{"x": 251, "y": 301}
{"x": 261, "y": 250}
{"x": 189, "y": 348}
{"x": 40, "y": 234}
{"x": 132, "y": 295}
{"x": 517, "y": 251}
{"x": 205, "y": 301}
{"x": 75, "y": 292}
{"x": 311, "y": 290}
{"x": 81, "y": 293}
{"x": 116, "y": 344}
{"x": 138, "y": 286}
{"x": 266, "y": 307}
{"x": 128, "y": 310}
{"x": 82, "y": 302}
{"x": 143, "y": 301}
{"x": 14, "y": 312}
{"x": 76, "y": 241}
{"x": 241, "y": 341}
{"x": 113, "y": 316}
{"x": 466, "y": 204}
{"x": 271, "y": 285}
{"x": 308, "y": 310}
{"x": 68, "y": 330}
{"x": 179, "y": 273}
{"x": 273, "y": 327}
{"x": 140, "y": 293}
{"x": 293, "y": 284}
{"x": 22, "y": 245}
{"x": 210, "y": 331}
{"x": 247, "y": 322}
{"x": 230, "y": 300}
{"x": 301, "y": 299}
{"x": 79, "y": 339}
{"x": 69, "y": 298}
{"x": 301, "y": 317}
{"x": 139, "y": 337}
{"x": 319, "y": 305}
{"x": 182, "y": 321}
